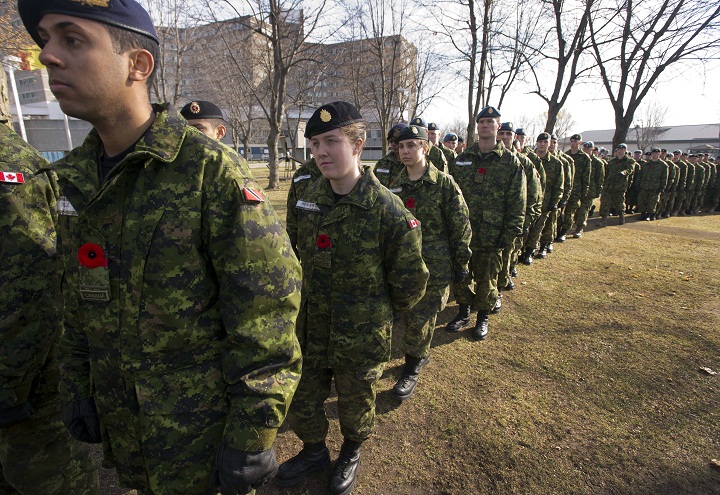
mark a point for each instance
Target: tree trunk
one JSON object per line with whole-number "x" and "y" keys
{"x": 553, "y": 111}
{"x": 5, "y": 114}
{"x": 272, "y": 142}
{"x": 622, "y": 127}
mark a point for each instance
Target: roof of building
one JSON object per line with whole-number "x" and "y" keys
{"x": 678, "y": 133}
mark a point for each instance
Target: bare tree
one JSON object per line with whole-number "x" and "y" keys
{"x": 555, "y": 55}
{"x": 636, "y": 42}
{"x": 281, "y": 30}
{"x": 648, "y": 125}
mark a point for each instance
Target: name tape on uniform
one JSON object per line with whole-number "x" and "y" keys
{"x": 382, "y": 170}
{"x": 302, "y": 177}
{"x": 65, "y": 207}
{"x": 463, "y": 164}
{"x": 304, "y": 205}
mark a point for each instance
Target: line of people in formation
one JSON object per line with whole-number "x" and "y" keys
{"x": 153, "y": 303}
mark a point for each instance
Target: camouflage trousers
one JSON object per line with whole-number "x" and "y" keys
{"x": 648, "y": 200}
{"x": 632, "y": 196}
{"x": 678, "y": 202}
{"x": 712, "y": 198}
{"x": 420, "y": 321}
{"x": 581, "y": 216}
{"x": 571, "y": 210}
{"x": 550, "y": 230}
{"x": 485, "y": 266}
{"x": 699, "y": 198}
{"x": 688, "y": 201}
{"x": 509, "y": 261}
{"x": 610, "y": 200}
{"x": 356, "y": 393}
{"x": 536, "y": 230}
{"x": 39, "y": 457}
{"x": 666, "y": 201}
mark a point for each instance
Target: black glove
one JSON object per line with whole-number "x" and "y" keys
{"x": 15, "y": 414}
{"x": 461, "y": 275}
{"x": 562, "y": 203}
{"x": 238, "y": 472}
{"x": 81, "y": 419}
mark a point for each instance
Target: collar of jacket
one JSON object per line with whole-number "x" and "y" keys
{"x": 499, "y": 150}
{"x": 362, "y": 195}
{"x": 430, "y": 175}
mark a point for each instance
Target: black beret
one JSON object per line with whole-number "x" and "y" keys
{"x": 663, "y": 150}
{"x": 637, "y": 151}
{"x": 332, "y": 116}
{"x": 451, "y": 136}
{"x": 418, "y": 121}
{"x": 656, "y": 150}
{"x": 506, "y": 126}
{"x": 543, "y": 136}
{"x": 123, "y": 14}
{"x": 520, "y": 131}
{"x": 461, "y": 139}
{"x": 432, "y": 126}
{"x": 488, "y": 112}
{"x": 576, "y": 137}
{"x": 588, "y": 144}
{"x": 413, "y": 132}
{"x": 395, "y": 130}
{"x": 677, "y": 152}
{"x": 201, "y": 110}
{"x": 621, "y": 146}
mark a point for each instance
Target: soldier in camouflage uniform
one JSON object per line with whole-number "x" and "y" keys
{"x": 436, "y": 201}
{"x": 569, "y": 172}
{"x": 552, "y": 193}
{"x": 181, "y": 288}
{"x": 305, "y": 175}
{"x": 597, "y": 177}
{"x": 631, "y": 196}
{"x": 668, "y": 195}
{"x": 492, "y": 181}
{"x": 206, "y": 117}
{"x": 389, "y": 166}
{"x": 37, "y": 454}
{"x": 450, "y": 141}
{"x": 433, "y": 132}
{"x": 361, "y": 253}
{"x": 712, "y": 196}
{"x": 701, "y": 177}
{"x": 533, "y": 207}
{"x": 619, "y": 172}
{"x": 653, "y": 181}
{"x": 677, "y": 198}
{"x": 689, "y": 186}
{"x": 435, "y": 155}
{"x": 580, "y": 194}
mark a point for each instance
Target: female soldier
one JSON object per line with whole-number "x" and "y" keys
{"x": 436, "y": 201}
{"x": 362, "y": 266}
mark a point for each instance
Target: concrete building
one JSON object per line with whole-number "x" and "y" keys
{"x": 700, "y": 138}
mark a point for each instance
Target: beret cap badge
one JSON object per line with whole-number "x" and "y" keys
{"x": 94, "y": 3}
{"x": 325, "y": 115}
{"x": 414, "y": 130}
{"x": 194, "y": 107}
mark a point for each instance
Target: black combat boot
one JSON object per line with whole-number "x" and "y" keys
{"x": 603, "y": 222}
{"x": 621, "y": 219}
{"x": 510, "y": 285}
{"x": 498, "y": 305}
{"x": 313, "y": 457}
{"x": 461, "y": 319}
{"x": 527, "y": 257}
{"x": 342, "y": 480}
{"x": 513, "y": 272}
{"x": 542, "y": 254}
{"x": 481, "y": 326}
{"x": 592, "y": 211}
{"x": 405, "y": 386}
{"x": 549, "y": 248}
{"x": 562, "y": 235}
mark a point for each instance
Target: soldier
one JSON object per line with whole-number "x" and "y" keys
{"x": 206, "y": 117}
{"x": 305, "y": 175}
{"x": 653, "y": 182}
{"x": 460, "y": 146}
{"x": 450, "y": 141}
{"x": 569, "y": 171}
{"x": 361, "y": 253}
{"x": 619, "y": 171}
{"x": 597, "y": 177}
{"x": 435, "y": 155}
{"x": 713, "y": 193}
{"x": 492, "y": 181}
{"x": 433, "y": 132}
{"x": 37, "y": 454}
{"x": 533, "y": 207}
{"x": 676, "y": 201}
{"x": 701, "y": 177}
{"x": 436, "y": 201}
{"x": 389, "y": 166}
{"x": 689, "y": 185}
{"x": 631, "y": 196}
{"x": 181, "y": 288}
{"x": 580, "y": 194}
{"x": 541, "y": 231}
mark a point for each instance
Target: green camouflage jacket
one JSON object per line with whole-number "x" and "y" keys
{"x": 700, "y": 176}
{"x": 436, "y": 156}
{"x": 436, "y": 201}
{"x": 387, "y": 168}
{"x": 30, "y": 301}
{"x": 690, "y": 182}
{"x": 362, "y": 266}
{"x": 619, "y": 172}
{"x": 654, "y": 176}
{"x": 673, "y": 176}
{"x": 535, "y": 180}
{"x": 597, "y": 177}
{"x": 581, "y": 177}
{"x": 681, "y": 175}
{"x": 554, "y": 180}
{"x": 450, "y": 156}
{"x": 181, "y": 290}
{"x": 495, "y": 190}
{"x": 568, "y": 174}
{"x": 302, "y": 178}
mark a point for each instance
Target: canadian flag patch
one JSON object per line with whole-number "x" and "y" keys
{"x": 413, "y": 223}
{"x": 252, "y": 195}
{"x": 12, "y": 177}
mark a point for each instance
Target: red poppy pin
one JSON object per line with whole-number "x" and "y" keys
{"x": 481, "y": 170}
{"x": 92, "y": 256}
{"x": 324, "y": 242}
{"x": 410, "y": 203}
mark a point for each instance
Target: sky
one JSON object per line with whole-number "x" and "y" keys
{"x": 691, "y": 98}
